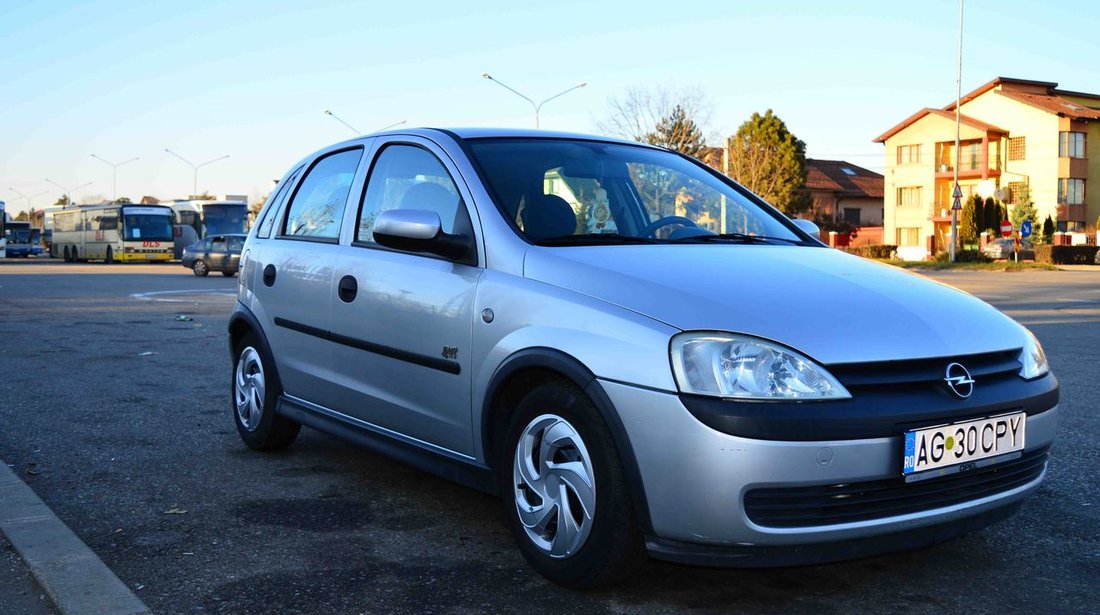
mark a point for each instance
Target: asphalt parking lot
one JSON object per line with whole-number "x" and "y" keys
{"x": 114, "y": 408}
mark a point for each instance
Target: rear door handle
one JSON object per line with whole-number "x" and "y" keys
{"x": 347, "y": 289}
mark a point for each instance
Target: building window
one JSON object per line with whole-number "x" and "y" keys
{"x": 1071, "y": 144}
{"x": 1017, "y": 148}
{"x": 909, "y": 154}
{"x": 971, "y": 157}
{"x": 909, "y": 236}
{"x": 1018, "y": 190}
{"x": 1071, "y": 191}
{"x": 851, "y": 215}
{"x": 909, "y": 197}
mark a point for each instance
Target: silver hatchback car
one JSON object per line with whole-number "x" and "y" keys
{"x": 636, "y": 353}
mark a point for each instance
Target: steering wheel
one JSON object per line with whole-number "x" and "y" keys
{"x": 659, "y": 223}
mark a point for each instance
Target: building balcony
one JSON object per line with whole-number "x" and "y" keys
{"x": 1071, "y": 213}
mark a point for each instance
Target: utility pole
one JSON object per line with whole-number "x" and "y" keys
{"x": 958, "y": 140}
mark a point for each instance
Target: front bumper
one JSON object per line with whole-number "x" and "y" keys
{"x": 695, "y": 479}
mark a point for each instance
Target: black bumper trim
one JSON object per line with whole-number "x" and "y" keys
{"x": 877, "y": 413}
{"x": 739, "y": 556}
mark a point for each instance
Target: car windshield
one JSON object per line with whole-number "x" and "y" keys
{"x": 573, "y": 192}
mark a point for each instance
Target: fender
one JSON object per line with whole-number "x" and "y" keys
{"x": 569, "y": 367}
{"x": 244, "y": 316}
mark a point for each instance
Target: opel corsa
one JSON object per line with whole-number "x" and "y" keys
{"x": 637, "y": 354}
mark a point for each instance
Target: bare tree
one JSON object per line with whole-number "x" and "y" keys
{"x": 637, "y": 114}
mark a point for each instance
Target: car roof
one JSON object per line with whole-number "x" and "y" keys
{"x": 494, "y": 133}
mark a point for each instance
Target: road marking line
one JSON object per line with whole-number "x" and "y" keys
{"x": 156, "y": 295}
{"x": 71, "y": 574}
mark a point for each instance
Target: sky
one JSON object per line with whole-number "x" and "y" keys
{"x": 252, "y": 80}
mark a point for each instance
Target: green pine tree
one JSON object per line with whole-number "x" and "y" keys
{"x": 770, "y": 161}
{"x": 680, "y": 133}
{"x": 968, "y": 221}
{"x": 1023, "y": 209}
{"x": 1048, "y": 230}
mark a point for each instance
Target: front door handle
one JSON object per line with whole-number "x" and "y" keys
{"x": 269, "y": 275}
{"x": 347, "y": 289}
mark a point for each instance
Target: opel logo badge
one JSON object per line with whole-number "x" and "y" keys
{"x": 959, "y": 381}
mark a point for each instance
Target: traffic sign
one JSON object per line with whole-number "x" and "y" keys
{"x": 1006, "y": 229}
{"x": 957, "y": 204}
{"x": 1025, "y": 228}
{"x": 958, "y": 193}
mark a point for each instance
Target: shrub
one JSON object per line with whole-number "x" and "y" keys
{"x": 963, "y": 256}
{"x": 1065, "y": 255}
{"x": 871, "y": 251}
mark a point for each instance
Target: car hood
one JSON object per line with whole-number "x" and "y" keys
{"x": 833, "y": 306}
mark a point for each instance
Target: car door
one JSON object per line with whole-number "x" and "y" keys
{"x": 293, "y": 273}
{"x": 404, "y": 364}
{"x": 234, "y": 246}
{"x": 216, "y": 255}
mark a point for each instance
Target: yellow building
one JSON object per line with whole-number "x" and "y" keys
{"x": 1015, "y": 134}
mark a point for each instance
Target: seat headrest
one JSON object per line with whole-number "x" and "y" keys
{"x": 548, "y": 216}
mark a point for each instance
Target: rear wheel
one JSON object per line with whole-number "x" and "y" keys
{"x": 200, "y": 268}
{"x": 255, "y": 393}
{"x": 565, "y": 493}
{"x": 110, "y": 256}
{"x": 65, "y": 252}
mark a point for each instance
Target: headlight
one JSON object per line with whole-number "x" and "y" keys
{"x": 1033, "y": 358}
{"x": 742, "y": 367}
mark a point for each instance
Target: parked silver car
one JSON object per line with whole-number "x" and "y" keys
{"x": 636, "y": 353}
{"x": 1007, "y": 249}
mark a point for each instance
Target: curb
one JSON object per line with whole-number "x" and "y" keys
{"x": 71, "y": 574}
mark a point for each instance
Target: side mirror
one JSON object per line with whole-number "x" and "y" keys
{"x": 419, "y": 230}
{"x": 808, "y": 227}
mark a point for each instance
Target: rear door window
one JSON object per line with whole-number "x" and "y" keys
{"x": 317, "y": 207}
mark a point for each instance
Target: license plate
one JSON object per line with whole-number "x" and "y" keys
{"x": 960, "y": 443}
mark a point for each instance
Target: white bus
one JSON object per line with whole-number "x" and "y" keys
{"x": 113, "y": 232}
{"x": 197, "y": 219}
{"x": 3, "y": 231}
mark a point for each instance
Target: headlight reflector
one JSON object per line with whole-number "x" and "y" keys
{"x": 743, "y": 367}
{"x": 1033, "y": 358}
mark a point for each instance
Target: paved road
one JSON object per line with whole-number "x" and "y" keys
{"x": 116, "y": 412}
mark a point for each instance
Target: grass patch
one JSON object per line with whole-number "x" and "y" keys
{"x": 994, "y": 266}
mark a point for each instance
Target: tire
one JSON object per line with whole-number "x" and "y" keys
{"x": 110, "y": 260}
{"x": 254, "y": 392}
{"x": 73, "y": 253}
{"x": 199, "y": 268}
{"x": 229, "y": 274}
{"x": 65, "y": 252}
{"x": 606, "y": 545}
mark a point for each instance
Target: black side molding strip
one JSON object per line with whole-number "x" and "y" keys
{"x": 443, "y": 365}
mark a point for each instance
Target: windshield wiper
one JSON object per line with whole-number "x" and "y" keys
{"x": 735, "y": 238}
{"x": 594, "y": 239}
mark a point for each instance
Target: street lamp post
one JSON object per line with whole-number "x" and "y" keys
{"x": 28, "y": 198}
{"x": 195, "y": 168}
{"x": 68, "y": 191}
{"x": 356, "y": 130}
{"x": 337, "y": 118}
{"x": 958, "y": 134}
{"x": 114, "y": 172}
{"x": 537, "y": 107}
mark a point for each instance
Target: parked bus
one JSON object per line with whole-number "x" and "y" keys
{"x": 197, "y": 219}
{"x": 22, "y": 240}
{"x": 113, "y": 232}
{"x": 3, "y": 232}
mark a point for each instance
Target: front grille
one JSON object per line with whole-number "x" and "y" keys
{"x": 982, "y": 367}
{"x": 846, "y": 503}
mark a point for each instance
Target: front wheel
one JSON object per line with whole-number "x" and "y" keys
{"x": 229, "y": 274}
{"x": 255, "y": 394}
{"x": 199, "y": 268}
{"x": 110, "y": 256}
{"x": 566, "y": 497}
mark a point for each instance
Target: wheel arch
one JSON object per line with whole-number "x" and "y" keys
{"x": 243, "y": 322}
{"x": 529, "y": 367}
